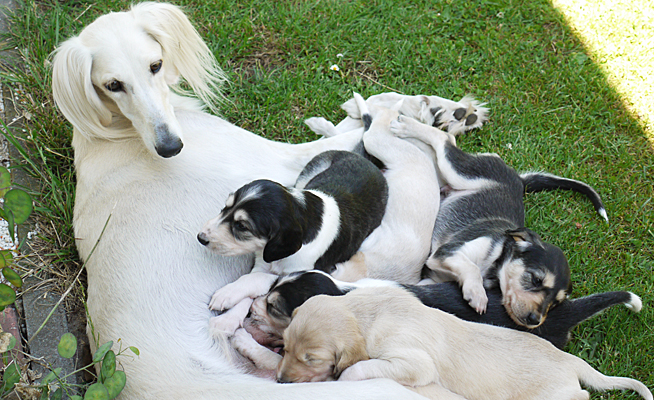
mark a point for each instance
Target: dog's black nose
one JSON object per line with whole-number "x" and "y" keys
{"x": 533, "y": 319}
{"x": 202, "y": 239}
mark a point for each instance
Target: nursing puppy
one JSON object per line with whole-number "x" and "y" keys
{"x": 479, "y": 237}
{"x": 388, "y": 333}
{"x": 338, "y": 200}
{"x": 271, "y": 314}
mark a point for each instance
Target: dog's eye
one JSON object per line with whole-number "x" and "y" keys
{"x": 155, "y": 66}
{"x": 536, "y": 281}
{"x": 240, "y": 226}
{"x": 114, "y": 86}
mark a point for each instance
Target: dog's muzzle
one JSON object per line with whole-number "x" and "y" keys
{"x": 167, "y": 145}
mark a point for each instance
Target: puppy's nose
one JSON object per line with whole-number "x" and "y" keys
{"x": 203, "y": 239}
{"x": 533, "y": 319}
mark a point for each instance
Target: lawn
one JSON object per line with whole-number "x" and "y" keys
{"x": 556, "y": 105}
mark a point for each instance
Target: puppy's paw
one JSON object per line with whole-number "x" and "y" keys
{"x": 352, "y": 373}
{"x": 321, "y": 126}
{"x": 475, "y": 295}
{"x": 226, "y": 298}
{"x": 401, "y": 126}
{"x": 224, "y": 324}
{"x": 352, "y": 109}
{"x": 465, "y": 115}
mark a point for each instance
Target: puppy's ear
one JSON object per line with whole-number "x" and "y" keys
{"x": 286, "y": 241}
{"x": 525, "y": 235}
{"x": 352, "y": 352}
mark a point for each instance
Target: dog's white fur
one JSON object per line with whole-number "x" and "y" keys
{"x": 149, "y": 278}
{"x": 387, "y": 332}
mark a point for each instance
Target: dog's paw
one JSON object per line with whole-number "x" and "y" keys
{"x": 475, "y": 295}
{"x": 352, "y": 373}
{"x": 352, "y": 109}
{"x": 225, "y": 298}
{"x": 402, "y": 126}
{"x": 463, "y": 116}
{"x": 224, "y": 324}
{"x": 321, "y": 126}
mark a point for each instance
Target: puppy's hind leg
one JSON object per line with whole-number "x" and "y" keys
{"x": 455, "y": 166}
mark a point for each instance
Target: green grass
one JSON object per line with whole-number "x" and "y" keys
{"x": 554, "y": 107}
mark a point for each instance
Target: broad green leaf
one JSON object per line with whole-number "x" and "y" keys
{"x": 20, "y": 203}
{"x": 99, "y": 354}
{"x": 108, "y": 365}
{"x": 67, "y": 345}
{"x": 12, "y": 343}
{"x": 57, "y": 395}
{"x": 135, "y": 350}
{"x": 10, "y": 377}
{"x": 51, "y": 377}
{"x": 115, "y": 384}
{"x": 12, "y": 276}
{"x": 45, "y": 393}
{"x": 5, "y": 180}
{"x": 97, "y": 391}
{"x": 76, "y": 397}
{"x": 7, "y": 295}
{"x": 6, "y": 258}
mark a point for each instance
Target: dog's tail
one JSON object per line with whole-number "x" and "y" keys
{"x": 588, "y": 376}
{"x": 363, "y": 110}
{"x": 571, "y": 313}
{"x": 540, "y": 181}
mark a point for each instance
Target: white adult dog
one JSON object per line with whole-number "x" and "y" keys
{"x": 160, "y": 167}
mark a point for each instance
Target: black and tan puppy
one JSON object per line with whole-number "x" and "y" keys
{"x": 480, "y": 240}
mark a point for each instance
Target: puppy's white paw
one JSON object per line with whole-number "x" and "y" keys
{"x": 352, "y": 373}
{"x": 475, "y": 294}
{"x": 321, "y": 126}
{"x": 401, "y": 126}
{"x": 352, "y": 109}
{"x": 224, "y": 324}
{"x": 226, "y": 297}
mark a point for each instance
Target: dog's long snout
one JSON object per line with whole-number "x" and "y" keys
{"x": 167, "y": 145}
{"x": 202, "y": 238}
{"x": 533, "y": 319}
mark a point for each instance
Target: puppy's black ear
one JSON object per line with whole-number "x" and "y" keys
{"x": 286, "y": 241}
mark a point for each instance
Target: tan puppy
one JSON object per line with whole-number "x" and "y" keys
{"x": 388, "y": 333}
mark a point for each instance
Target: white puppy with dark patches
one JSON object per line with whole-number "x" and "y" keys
{"x": 386, "y": 332}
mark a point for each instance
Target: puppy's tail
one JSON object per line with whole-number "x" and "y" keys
{"x": 588, "y": 376}
{"x": 363, "y": 110}
{"x": 540, "y": 181}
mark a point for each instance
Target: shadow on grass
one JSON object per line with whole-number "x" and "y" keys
{"x": 551, "y": 109}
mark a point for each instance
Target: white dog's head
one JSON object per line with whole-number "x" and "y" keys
{"x": 114, "y": 80}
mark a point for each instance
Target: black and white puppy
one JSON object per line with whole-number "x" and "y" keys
{"x": 272, "y": 313}
{"x": 338, "y": 200}
{"x": 479, "y": 238}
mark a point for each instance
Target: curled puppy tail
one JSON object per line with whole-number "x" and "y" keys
{"x": 588, "y": 376}
{"x": 540, "y": 181}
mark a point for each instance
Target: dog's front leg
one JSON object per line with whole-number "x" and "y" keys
{"x": 251, "y": 285}
{"x": 262, "y": 357}
{"x": 412, "y": 368}
{"x": 228, "y": 322}
{"x": 452, "y": 260}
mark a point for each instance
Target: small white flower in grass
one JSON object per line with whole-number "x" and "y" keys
{"x": 509, "y": 146}
{"x": 339, "y": 55}
{"x": 500, "y": 14}
{"x": 334, "y": 68}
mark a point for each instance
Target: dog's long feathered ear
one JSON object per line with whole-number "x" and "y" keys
{"x": 286, "y": 241}
{"x": 73, "y": 89}
{"x": 525, "y": 235}
{"x": 185, "y": 53}
{"x": 352, "y": 349}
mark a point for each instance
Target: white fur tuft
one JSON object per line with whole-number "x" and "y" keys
{"x": 635, "y": 304}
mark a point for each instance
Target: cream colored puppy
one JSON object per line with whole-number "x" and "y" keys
{"x": 388, "y": 333}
